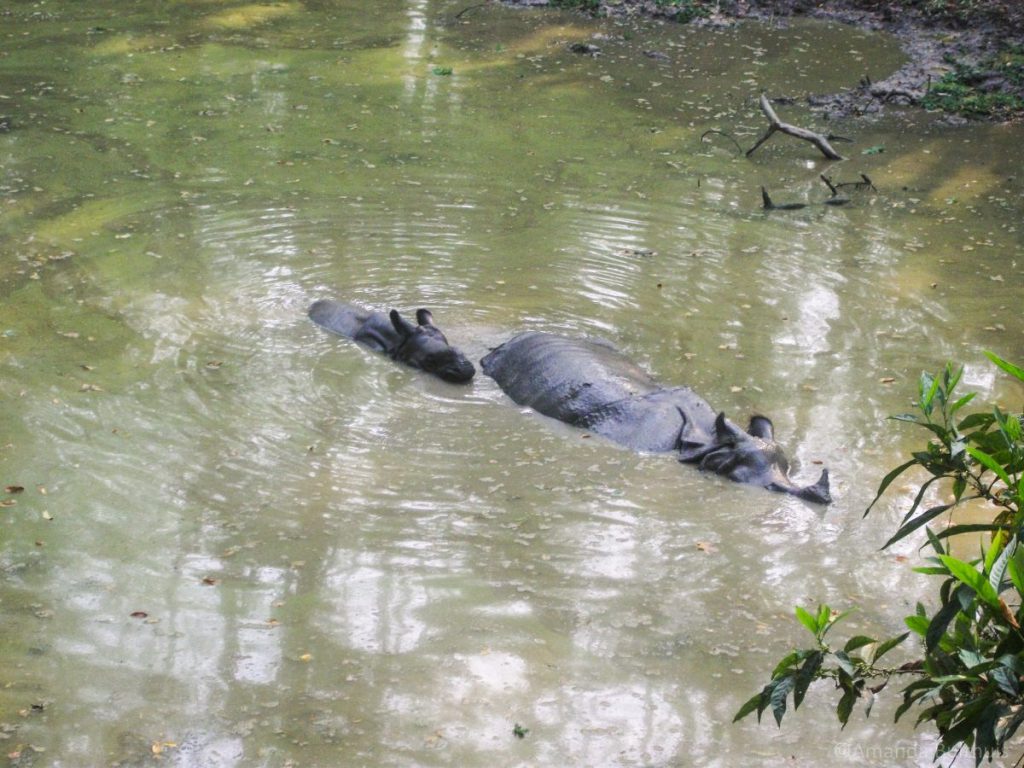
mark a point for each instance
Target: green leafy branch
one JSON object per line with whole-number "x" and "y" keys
{"x": 850, "y": 669}
{"x": 969, "y": 677}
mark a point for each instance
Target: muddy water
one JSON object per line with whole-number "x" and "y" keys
{"x": 242, "y": 542}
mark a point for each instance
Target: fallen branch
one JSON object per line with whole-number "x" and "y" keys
{"x": 775, "y": 124}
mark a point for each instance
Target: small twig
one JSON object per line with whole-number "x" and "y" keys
{"x": 768, "y": 205}
{"x": 721, "y": 133}
{"x": 775, "y": 124}
{"x": 469, "y": 8}
{"x": 866, "y": 183}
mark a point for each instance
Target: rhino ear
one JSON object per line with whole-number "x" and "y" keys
{"x": 423, "y": 317}
{"x": 818, "y": 492}
{"x": 761, "y": 426}
{"x": 725, "y": 431}
{"x": 403, "y": 326}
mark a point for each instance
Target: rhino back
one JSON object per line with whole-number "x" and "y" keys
{"x": 565, "y": 378}
{"x": 338, "y": 317}
{"x": 371, "y": 329}
{"x": 657, "y": 422}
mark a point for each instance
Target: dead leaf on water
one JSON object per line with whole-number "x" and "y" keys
{"x": 159, "y": 747}
{"x": 887, "y": 380}
{"x": 139, "y": 615}
{"x": 13, "y": 488}
{"x": 8, "y": 503}
{"x": 707, "y": 547}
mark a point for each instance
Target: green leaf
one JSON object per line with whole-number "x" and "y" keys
{"x": 931, "y": 570}
{"x": 937, "y": 626}
{"x": 845, "y": 706}
{"x": 1010, "y": 426}
{"x": 875, "y": 150}
{"x": 826, "y": 621}
{"x": 808, "y": 672}
{"x": 971, "y": 659}
{"x": 917, "y": 522}
{"x": 969, "y": 575}
{"x": 956, "y": 530}
{"x": 845, "y": 663}
{"x": 935, "y": 542}
{"x": 858, "y": 641}
{"x": 1016, "y": 569}
{"x": 998, "y": 569}
{"x": 990, "y": 463}
{"x": 887, "y": 481}
{"x": 980, "y": 421}
{"x": 824, "y": 613}
{"x": 888, "y": 645}
{"x": 781, "y": 689}
{"x": 959, "y": 486}
{"x": 961, "y": 402}
{"x": 1011, "y": 369}
{"x": 807, "y": 620}
{"x": 788, "y": 661}
{"x": 929, "y": 388}
{"x": 754, "y": 702}
{"x": 918, "y": 624}
{"x": 1007, "y": 681}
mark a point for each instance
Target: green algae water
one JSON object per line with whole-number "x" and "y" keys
{"x": 229, "y": 539}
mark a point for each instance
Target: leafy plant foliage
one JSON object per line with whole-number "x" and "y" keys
{"x": 968, "y": 681}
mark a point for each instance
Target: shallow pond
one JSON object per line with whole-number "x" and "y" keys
{"x": 244, "y": 542}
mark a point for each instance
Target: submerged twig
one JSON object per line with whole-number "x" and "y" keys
{"x": 469, "y": 8}
{"x": 768, "y": 205}
{"x": 721, "y": 133}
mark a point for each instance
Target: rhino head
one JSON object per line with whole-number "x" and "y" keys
{"x": 751, "y": 456}
{"x": 424, "y": 346}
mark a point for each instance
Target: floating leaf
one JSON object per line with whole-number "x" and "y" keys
{"x": 13, "y": 488}
{"x": 875, "y": 150}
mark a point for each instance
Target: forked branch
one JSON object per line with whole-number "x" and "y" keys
{"x": 775, "y": 124}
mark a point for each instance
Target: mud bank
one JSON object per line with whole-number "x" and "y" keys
{"x": 972, "y": 51}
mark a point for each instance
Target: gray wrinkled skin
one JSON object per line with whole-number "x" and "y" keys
{"x": 421, "y": 346}
{"x": 590, "y": 385}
